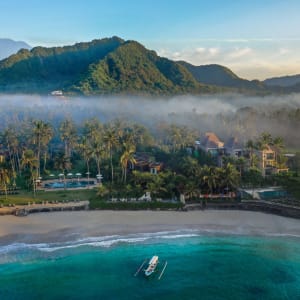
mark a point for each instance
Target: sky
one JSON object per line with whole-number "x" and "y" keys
{"x": 256, "y": 39}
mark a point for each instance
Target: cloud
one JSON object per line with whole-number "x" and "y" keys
{"x": 283, "y": 51}
{"x": 240, "y": 52}
{"x": 206, "y": 55}
{"x": 218, "y": 113}
{"x": 250, "y": 62}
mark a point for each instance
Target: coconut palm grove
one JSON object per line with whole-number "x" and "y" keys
{"x": 130, "y": 160}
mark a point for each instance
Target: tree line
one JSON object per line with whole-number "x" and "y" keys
{"x": 37, "y": 148}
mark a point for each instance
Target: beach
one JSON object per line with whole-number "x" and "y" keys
{"x": 49, "y": 227}
{"x": 225, "y": 254}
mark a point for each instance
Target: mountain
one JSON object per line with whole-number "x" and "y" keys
{"x": 221, "y": 76}
{"x": 104, "y": 66}
{"x": 9, "y": 47}
{"x": 284, "y": 81}
{"x": 42, "y": 70}
{"x": 114, "y": 66}
{"x": 133, "y": 69}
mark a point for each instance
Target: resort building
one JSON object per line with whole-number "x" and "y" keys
{"x": 268, "y": 161}
{"x": 145, "y": 163}
{"x": 211, "y": 144}
{"x": 234, "y": 148}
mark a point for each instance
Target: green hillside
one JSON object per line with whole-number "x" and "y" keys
{"x": 44, "y": 69}
{"x": 133, "y": 69}
{"x": 114, "y": 66}
{"x": 221, "y": 76}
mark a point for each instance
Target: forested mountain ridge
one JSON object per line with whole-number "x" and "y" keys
{"x": 218, "y": 75}
{"x": 133, "y": 69}
{"x": 283, "y": 81}
{"x": 44, "y": 69}
{"x": 104, "y": 66}
{"x": 114, "y": 66}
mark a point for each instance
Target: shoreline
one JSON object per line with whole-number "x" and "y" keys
{"x": 64, "y": 226}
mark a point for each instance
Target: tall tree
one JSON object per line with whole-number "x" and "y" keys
{"x": 62, "y": 163}
{"x": 86, "y": 151}
{"x": 209, "y": 178}
{"x": 68, "y": 134}
{"x": 4, "y": 178}
{"x": 251, "y": 146}
{"x": 42, "y": 134}
{"x": 229, "y": 177}
{"x": 111, "y": 140}
{"x": 10, "y": 141}
{"x": 127, "y": 157}
{"x": 29, "y": 162}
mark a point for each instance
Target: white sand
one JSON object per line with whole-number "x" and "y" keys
{"x": 47, "y": 226}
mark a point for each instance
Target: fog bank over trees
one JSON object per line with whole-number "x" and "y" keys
{"x": 226, "y": 115}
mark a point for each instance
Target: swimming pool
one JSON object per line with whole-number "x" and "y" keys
{"x": 272, "y": 194}
{"x": 68, "y": 184}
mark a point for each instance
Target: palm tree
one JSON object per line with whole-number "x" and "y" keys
{"x": 230, "y": 177}
{"x": 98, "y": 152}
{"x": 47, "y": 135}
{"x": 264, "y": 140}
{"x": 86, "y": 151}
{"x": 251, "y": 146}
{"x": 42, "y": 134}
{"x": 209, "y": 177}
{"x": 68, "y": 134}
{"x": 37, "y": 137}
{"x": 9, "y": 139}
{"x": 29, "y": 162}
{"x": 127, "y": 157}
{"x": 62, "y": 163}
{"x": 4, "y": 178}
{"x": 111, "y": 140}
{"x": 279, "y": 146}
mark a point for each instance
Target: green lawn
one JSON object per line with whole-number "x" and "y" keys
{"x": 95, "y": 202}
{"x": 68, "y": 195}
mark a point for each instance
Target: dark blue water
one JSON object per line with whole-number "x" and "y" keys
{"x": 199, "y": 267}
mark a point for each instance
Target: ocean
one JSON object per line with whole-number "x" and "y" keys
{"x": 200, "y": 266}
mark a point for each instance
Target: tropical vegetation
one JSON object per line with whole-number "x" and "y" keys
{"x": 37, "y": 148}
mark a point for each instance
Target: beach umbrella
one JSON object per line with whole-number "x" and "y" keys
{"x": 51, "y": 175}
{"x": 70, "y": 174}
{"x": 61, "y": 174}
{"x": 78, "y": 174}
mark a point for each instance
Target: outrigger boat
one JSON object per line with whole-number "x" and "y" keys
{"x": 151, "y": 266}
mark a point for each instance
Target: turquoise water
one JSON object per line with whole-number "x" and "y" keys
{"x": 199, "y": 267}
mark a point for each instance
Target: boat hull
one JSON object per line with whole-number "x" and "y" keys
{"x": 151, "y": 266}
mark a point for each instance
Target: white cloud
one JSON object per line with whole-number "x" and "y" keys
{"x": 247, "y": 62}
{"x": 200, "y": 50}
{"x": 240, "y": 52}
{"x": 283, "y": 51}
{"x": 213, "y": 51}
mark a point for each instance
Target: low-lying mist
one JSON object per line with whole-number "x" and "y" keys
{"x": 226, "y": 115}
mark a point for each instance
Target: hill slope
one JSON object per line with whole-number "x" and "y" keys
{"x": 284, "y": 81}
{"x": 112, "y": 65}
{"x": 101, "y": 66}
{"x": 9, "y": 47}
{"x": 44, "y": 69}
{"x": 221, "y": 76}
{"x": 133, "y": 69}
